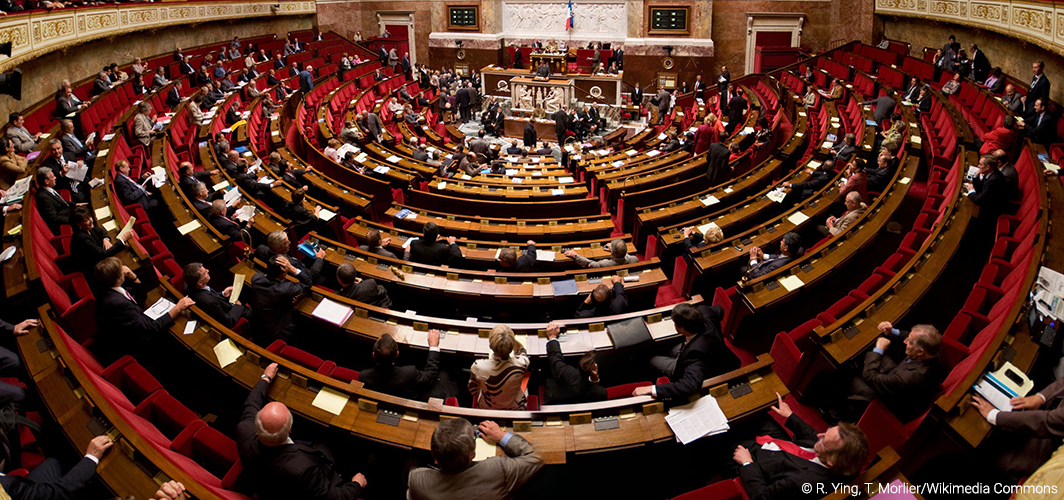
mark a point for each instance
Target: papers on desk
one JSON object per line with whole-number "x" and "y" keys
{"x": 108, "y": 137}
{"x": 564, "y": 287}
{"x": 565, "y": 180}
{"x": 406, "y": 213}
{"x": 190, "y": 326}
{"x": 245, "y": 213}
{"x": 557, "y": 192}
{"x": 95, "y": 183}
{"x": 709, "y": 200}
{"x": 1052, "y": 167}
{"x": 126, "y": 229}
{"x": 109, "y": 226}
{"x": 227, "y": 352}
{"x": 512, "y": 171}
{"x": 652, "y": 153}
{"x": 826, "y": 145}
{"x": 220, "y": 186}
{"x": 442, "y": 185}
{"x": 662, "y": 137}
{"x": 916, "y": 140}
{"x": 392, "y": 159}
{"x": 382, "y": 170}
{"x": 484, "y": 450}
{"x": 618, "y": 163}
{"x": 904, "y": 180}
{"x": 546, "y": 255}
{"x": 232, "y": 196}
{"x": 777, "y": 195}
{"x": 792, "y": 283}
{"x": 103, "y": 213}
{"x": 326, "y": 214}
{"x": 238, "y": 286}
{"x": 465, "y": 177}
{"x": 188, "y": 228}
{"x": 832, "y": 137}
{"x": 332, "y": 312}
{"x": 1049, "y": 293}
{"x": 158, "y": 177}
{"x": 330, "y": 401}
{"x": 705, "y": 227}
{"x": 1001, "y": 386}
{"x": 516, "y": 180}
{"x": 18, "y": 190}
{"x": 631, "y": 152}
{"x": 747, "y": 131}
{"x": 797, "y": 218}
{"x": 8, "y": 253}
{"x": 265, "y": 180}
{"x": 159, "y": 308}
{"x": 693, "y": 421}
{"x": 361, "y": 158}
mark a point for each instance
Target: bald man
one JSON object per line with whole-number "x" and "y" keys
{"x": 276, "y": 467}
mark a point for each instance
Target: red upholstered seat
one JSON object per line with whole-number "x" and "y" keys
{"x": 132, "y": 379}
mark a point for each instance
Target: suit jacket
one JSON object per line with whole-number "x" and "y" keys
{"x": 173, "y": 97}
{"x": 129, "y": 192}
{"x": 271, "y": 303}
{"x": 526, "y": 262}
{"x": 185, "y": 69}
{"x": 142, "y": 127}
{"x": 718, "y": 169}
{"x": 991, "y": 193}
{"x": 435, "y": 253}
{"x": 911, "y": 94}
{"x": 722, "y": 82}
{"x": 560, "y": 123}
{"x": 736, "y": 110}
{"x": 377, "y": 250}
{"x": 817, "y": 180}
{"x": 367, "y": 291}
{"x": 704, "y": 356}
{"x": 123, "y": 323}
{"x": 158, "y": 81}
{"x": 999, "y": 138}
{"x": 844, "y": 153}
{"x": 74, "y": 146}
{"x": 543, "y": 71}
{"x": 1044, "y": 133}
{"x": 1013, "y": 103}
{"x": 637, "y": 96}
{"x": 664, "y": 101}
{"x": 878, "y": 178}
{"x": 100, "y": 86}
{"x": 217, "y": 306}
{"x": 403, "y": 381}
{"x": 906, "y": 388}
{"x": 568, "y": 384}
{"x": 65, "y": 106}
{"x": 373, "y": 124}
{"x": 87, "y": 248}
{"x": 530, "y": 135}
{"x": 618, "y": 305}
{"x": 884, "y": 107}
{"x": 226, "y": 225}
{"x": 65, "y": 488}
{"x": 287, "y": 471}
{"x": 1046, "y": 422}
{"x": 306, "y": 81}
{"x": 780, "y": 475}
{"x": 263, "y": 253}
{"x": 980, "y": 66}
{"x": 768, "y": 265}
{"x": 847, "y": 219}
{"x": 53, "y": 209}
{"x": 493, "y": 478}
{"x": 1037, "y": 91}
{"x": 22, "y": 139}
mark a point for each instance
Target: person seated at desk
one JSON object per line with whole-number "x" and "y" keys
{"x": 515, "y": 146}
{"x": 53, "y": 208}
{"x": 604, "y": 300}
{"x": 1040, "y": 125}
{"x": 693, "y": 239}
{"x": 990, "y": 189}
{"x": 544, "y": 149}
{"x": 215, "y": 304}
{"x": 1034, "y": 424}
{"x": 407, "y": 381}
{"x": 132, "y": 192}
{"x": 702, "y": 355}
{"x": 47, "y": 481}
{"x": 376, "y": 245}
{"x": 495, "y": 382}
{"x": 618, "y": 256}
{"x": 816, "y": 181}
{"x": 856, "y": 180}
{"x": 776, "y": 465}
{"x": 508, "y": 259}
{"x": 459, "y": 477}
{"x": 305, "y": 221}
{"x": 218, "y": 219}
{"x": 568, "y": 384}
{"x": 272, "y": 299}
{"x": 188, "y": 177}
{"x": 362, "y": 290}
{"x": 277, "y": 244}
{"x": 62, "y": 162}
{"x": 122, "y": 327}
{"x": 433, "y": 249}
{"x": 89, "y": 244}
{"x": 543, "y": 71}
{"x": 880, "y": 176}
{"x": 845, "y": 151}
{"x": 762, "y": 263}
{"x": 855, "y": 208}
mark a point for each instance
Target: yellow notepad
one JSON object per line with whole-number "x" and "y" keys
{"x": 484, "y": 450}
{"x": 227, "y": 352}
{"x": 330, "y": 401}
{"x": 791, "y": 283}
{"x": 188, "y": 228}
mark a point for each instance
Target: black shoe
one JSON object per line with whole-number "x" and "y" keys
{"x": 830, "y": 416}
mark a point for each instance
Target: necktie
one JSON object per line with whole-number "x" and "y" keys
{"x": 128, "y": 296}
{"x": 1034, "y": 81}
{"x": 788, "y": 447}
{"x": 1039, "y": 119}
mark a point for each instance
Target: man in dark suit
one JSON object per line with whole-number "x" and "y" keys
{"x": 718, "y": 168}
{"x": 880, "y": 176}
{"x": 736, "y": 112}
{"x": 60, "y": 161}
{"x": 120, "y": 318}
{"x": 845, "y": 150}
{"x": 277, "y": 244}
{"x": 306, "y": 79}
{"x": 218, "y": 218}
{"x": 173, "y": 96}
{"x": 702, "y": 355}
{"x": 407, "y": 381}
{"x": 130, "y": 191}
{"x": 884, "y": 107}
{"x": 10, "y": 364}
{"x": 989, "y": 190}
{"x": 272, "y": 299}
{"x": 543, "y": 71}
{"x": 188, "y": 177}
{"x": 560, "y": 118}
{"x": 777, "y": 466}
{"x": 362, "y": 290}
{"x": 604, "y": 300}
{"x": 278, "y": 468}
{"x": 185, "y": 68}
{"x": 278, "y": 62}
{"x": 517, "y": 62}
{"x": 509, "y": 260}
{"x": 722, "y": 82}
{"x": 382, "y": 54}
{"x": 1035, "y": 424}
{"x": 762, "y": 263}
{"x": 568, "y": 384}
{"x": 464, "y": 103}
{"x": 1040, "y": 125}
{"x": 980, "y": 64}
{"x": 50, "y": 205}
{"x": 90, "y": 243}
{"x": 618, "y": 56}
{"x": 432, "y": 250}
{"x": 817, "y": 179}
{"x": 47, "y": 481}
{"x": 907, "y": 387}
{"x": 1039, "y": 87}
{"x": 530, "y": 135}
{"x": 912, "y": 92}
{"x": 637, "y": 95}
{"x": 664, "y": 104}
{"x": 215, "y": 304}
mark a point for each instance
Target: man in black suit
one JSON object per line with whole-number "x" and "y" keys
{"x": 762, "y": 263}
{"x": 278, "y": 61}
{"x": 543, "y": 71}
{"x": 185, "y": 68}
{"x": 10, "y": 364}
{"x": 509, "y": 260}
{"x": 60, "y": 162}
{"x": 699, "y": 88}
{"x": 407, "y": 381}
{"x": 278, "y": 468}
{"x": 718, "y": 168}
{"x": 560, "y": 118}
{"x": 618, "y": 56}
{"x": 362, "y": 290}
{"x": 188, "y": 177}
{"x": 1040, "y": 125}
{"x": 173, "y": 96}
{"x": 50, "y": 205}
{"x": 567, "y": 384}
{"x": 530, "y": 135}
{"x": 736, "y": 112}
{"x": 777, "y": 466}
{"x": 47, "y": 481}
{"x": 884, "y": 107}
{"x": 277, "y": 244}
{"x": 664, "y": 99}
{"x": 1039, "y": 87}
{"x": 604, "y": 300}
{"x": 272, "y": 299}
{"x": 989, "y": 190}
{"x": 218, "y": 218}
{"x": 907, "y": 387}
{"x": 637, "y": 95}
{"x": 980, "y": 64}
{"x": 702, "y": 355}
{"x": 817, "y": 179}
{"x": 722, "y": 82}
{"x": 912, "y": 92}
{"x": 90, "y": 243}
{"x": 131, "y": 192}
{"x": 845, "y": 150}
{"x": 215, "y": 304}
{"x": 121, "y": 323}
{"x": 433, "y": 250}
{"x": 880, "y": 176}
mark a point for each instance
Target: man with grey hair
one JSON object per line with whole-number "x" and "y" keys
{"x": 279, "y": 468}
{"x": 277, "y": 244}
{"x": 458, "y": 477}
{"x": 855, "y": 208}
{"x": 618, "y": 256}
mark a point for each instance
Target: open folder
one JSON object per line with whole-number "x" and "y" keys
{"x": 1001, "y": 386}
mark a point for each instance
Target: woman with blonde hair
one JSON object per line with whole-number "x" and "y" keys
{"x": 495, "y": 382}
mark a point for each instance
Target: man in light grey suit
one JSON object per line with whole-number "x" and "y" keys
{"x": 458, "y": 477}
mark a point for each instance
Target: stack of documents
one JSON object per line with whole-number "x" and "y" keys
{"x": 1049, "y": 293}
{"x": 332, "y": 312}
{"x": 696, "y": 420}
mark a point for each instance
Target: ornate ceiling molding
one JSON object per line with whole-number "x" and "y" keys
{"x": 35, "y": 34}
{"x": 1040, "y": 23}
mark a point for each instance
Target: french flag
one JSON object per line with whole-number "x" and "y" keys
{"x": 569, "y": 21}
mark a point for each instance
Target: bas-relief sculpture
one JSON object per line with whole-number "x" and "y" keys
{"x": 551, "y": 97}
{"x": 548, "y": 19}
